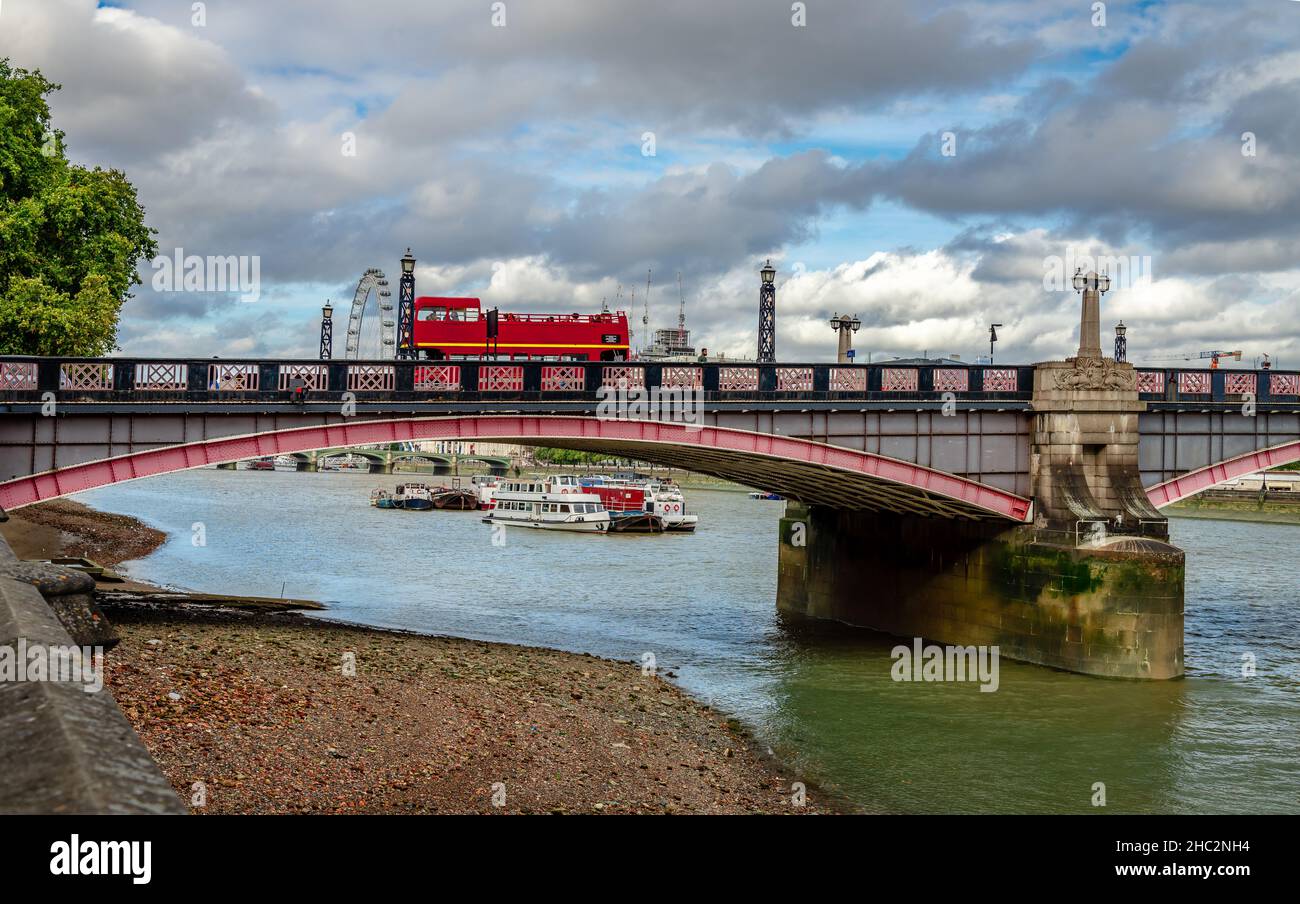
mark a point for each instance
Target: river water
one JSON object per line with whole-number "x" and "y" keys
{"x": 823, "y": 700}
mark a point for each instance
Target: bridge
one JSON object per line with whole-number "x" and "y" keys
{"x": 1010, "y": 505}
{"x": 71, "y": 425}
{"x": 383, "y": 460}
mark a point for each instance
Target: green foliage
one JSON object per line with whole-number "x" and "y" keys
{"x": 70, "y": 237}
{"x": 568, "y": 457}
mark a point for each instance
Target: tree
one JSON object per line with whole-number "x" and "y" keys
{"x": 70, "y": 237}
{"x": 568, "y": 456}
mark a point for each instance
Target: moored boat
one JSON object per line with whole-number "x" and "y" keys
{"x": 662, "y": 500}
{"x": 455, "y": 499}
{"x": 554, "y": 503}
{"x": 484, "y": 488}
{"x": 635, "y": 523}
{"x": 413, "y": 497}
{"x": 381, "y": 498}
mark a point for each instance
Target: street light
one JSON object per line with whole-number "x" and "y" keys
{"x": 845, "y": 325}
{"x": 1093, "y": 286}
{"x": 767, "y": 314}
{"x": 406, "y": 308}
{"x": 327, "y": 331}
{"x": 993, "y": 337}
{"x": 1121, "y": 343}
{"x": 1098, "y": 282}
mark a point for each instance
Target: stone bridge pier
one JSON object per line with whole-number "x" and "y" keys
{"x": 1091, "y": 586}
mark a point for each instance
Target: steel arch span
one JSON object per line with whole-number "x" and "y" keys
{"x": 1193, "y": 482}
{"x": 810, "y": 472}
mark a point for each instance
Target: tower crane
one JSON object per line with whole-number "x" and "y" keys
{"x": 1214, "y": 357}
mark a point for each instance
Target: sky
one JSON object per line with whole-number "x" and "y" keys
{"x": 929, "y": 167}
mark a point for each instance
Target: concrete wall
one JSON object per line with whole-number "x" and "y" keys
{"x": 63, "y": 750}
{"x": 1116, "y": 610}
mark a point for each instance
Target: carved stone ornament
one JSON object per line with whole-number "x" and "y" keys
{"x": 1097, "y": 373}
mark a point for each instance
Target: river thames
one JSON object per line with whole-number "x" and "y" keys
{"x": 822, "y": 699}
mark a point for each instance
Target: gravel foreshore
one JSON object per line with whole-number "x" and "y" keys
{"x": 284, "y": 714}
{"x": 256, "y": 712}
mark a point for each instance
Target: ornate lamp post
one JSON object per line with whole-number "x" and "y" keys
{"x": 1093, "y": 286}
{"x": 406, "y": 308}
{"x": 845, "y": 326}
{"x": 767, "y": 315}
{"x": 327, "y": 332}
{"x": 1121, "y": 343}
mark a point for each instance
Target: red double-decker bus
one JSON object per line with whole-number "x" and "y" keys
{"x": 456, "y": 329}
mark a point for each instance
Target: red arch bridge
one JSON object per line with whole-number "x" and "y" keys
{"x": 1015, "y": 506}
{"x": 952, "y": 442}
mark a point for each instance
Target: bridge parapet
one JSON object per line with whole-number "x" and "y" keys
{"x": 161, "y": 380}
{"x": 25, "y": 379}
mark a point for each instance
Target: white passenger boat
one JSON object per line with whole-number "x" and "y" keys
{"x": 547, "y": 503}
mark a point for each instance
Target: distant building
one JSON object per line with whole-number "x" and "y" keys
{"x": 927, "y": 362}
{"x": 669, "y": 345}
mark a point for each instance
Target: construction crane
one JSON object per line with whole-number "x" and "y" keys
{"x": 681, "y": 313}
{"x": 645, "y": 318}
{"x": 1214, "y": 357}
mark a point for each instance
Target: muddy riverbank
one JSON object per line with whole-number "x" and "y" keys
{"x": 255, "y": 712}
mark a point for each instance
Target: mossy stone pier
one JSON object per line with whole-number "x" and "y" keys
{"x": 1115, "y": 609}
{"x": 1091, "y": 586}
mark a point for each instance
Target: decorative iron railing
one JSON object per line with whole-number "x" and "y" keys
{"x": 170, "y": 380}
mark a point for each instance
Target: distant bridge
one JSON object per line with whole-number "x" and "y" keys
{"x": 384, "y": 460}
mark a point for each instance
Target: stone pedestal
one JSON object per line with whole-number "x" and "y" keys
{"x": 1084, "y": 460}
